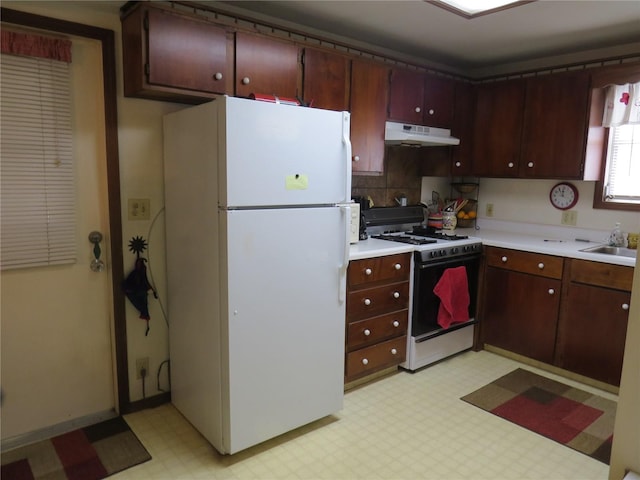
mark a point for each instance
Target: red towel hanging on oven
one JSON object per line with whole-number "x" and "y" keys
{"x": 453, "y": 290}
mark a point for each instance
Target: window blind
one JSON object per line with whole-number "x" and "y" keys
{"x": 37, "y": 186}
{"x": 623, "y": 164}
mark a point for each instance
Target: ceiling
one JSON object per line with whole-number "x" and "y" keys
{"x": 435, "y": 36}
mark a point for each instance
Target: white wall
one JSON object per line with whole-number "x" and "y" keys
{"x": 527, "y": 201}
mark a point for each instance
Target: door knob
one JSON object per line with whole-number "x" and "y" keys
{"x": 96, "y": 265}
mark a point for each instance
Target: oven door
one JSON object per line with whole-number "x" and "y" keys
{"x": 424, "y": 322}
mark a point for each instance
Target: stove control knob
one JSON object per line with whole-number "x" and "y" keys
{"x": 443, "y": 253}
{"x": 454, "y": 250}
{"x": 433, "y": 253}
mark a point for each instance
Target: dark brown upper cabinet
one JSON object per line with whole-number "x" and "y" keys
{"x": 326, "y": 78}
{"x": 169, "y": 56}
{"x": 266, "y": 66}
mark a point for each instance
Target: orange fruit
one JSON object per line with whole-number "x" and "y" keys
{"x": 460, "y": 214}
{"x": 472, "y": 214}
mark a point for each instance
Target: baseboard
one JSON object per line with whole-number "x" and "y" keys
{"x": 55, "y": 430}
{"x": 149, "y": 402}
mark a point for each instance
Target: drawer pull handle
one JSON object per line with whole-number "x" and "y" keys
{"x": 431, "y": 111}
{"x": 510, "y": 165}
{"x": 396, "y": 323}
{"x": 393, "y": 351}
{"x": 367, "y": 301}
{"x": 246, "y": 81}
{"x": 625, "y": 306}
{"x": 504, "y": 259}
{"x": 356, "y": 158}
{"x": 218, "y": 76}
{"x": 367, "y": 332}
{"x": 530, "y": 164}
{"x": 396, "y": 295}
{"x": 368, "y": 271}
{"x": 365, "y": 361}
{"x": 418, "y": 109}
{"x": 541, "y": 265}
{"x": 458, "y": 164}
{"x": 551, "y": 291}
{"x": 397, "y": 266}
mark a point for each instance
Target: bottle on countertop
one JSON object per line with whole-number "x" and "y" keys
{"x": 616, "y": 238}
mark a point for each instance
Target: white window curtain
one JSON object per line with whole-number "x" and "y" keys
{"x": 37, "y": 184}
{"x": 622, "y": 105}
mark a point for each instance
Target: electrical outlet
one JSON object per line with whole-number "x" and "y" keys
{"x": 489, "y": 210}
{"x": 569, "y": 217}
{"x": 139, "y": 208}
{"x": 142, "y": 364}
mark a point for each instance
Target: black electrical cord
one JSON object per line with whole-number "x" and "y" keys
{"x": 168, "y": 375}
{"x": 143, "y": 374}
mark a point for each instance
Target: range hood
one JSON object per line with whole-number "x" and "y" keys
{"x": 417, "y": 135}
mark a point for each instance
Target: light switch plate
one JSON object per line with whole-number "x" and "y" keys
{"x": 139, "y": 208}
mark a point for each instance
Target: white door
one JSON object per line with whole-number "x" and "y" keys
{"x": 57, "y": 349}
{"x": 285, "y": 319}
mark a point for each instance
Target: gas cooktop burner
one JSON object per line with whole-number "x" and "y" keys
{"x": 424, "y": 232}
{"x": 404, "y": 239}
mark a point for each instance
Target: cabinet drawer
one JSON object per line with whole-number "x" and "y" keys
{"x": 383, "y": 355}
{"x": 375, "y": 301}
{"x": 371, "y": 270}
{"x": 606, "y": 275}
{"x": 372, "y": 330}
{"x": 525, "y": 262}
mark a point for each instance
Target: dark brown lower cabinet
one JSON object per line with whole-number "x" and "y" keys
{"x": 593, "y": 323}
{"x": 520, "y": 313}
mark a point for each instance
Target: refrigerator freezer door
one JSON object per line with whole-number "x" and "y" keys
{"x": 285, "y": 321}
{"x": 282, "y": 155}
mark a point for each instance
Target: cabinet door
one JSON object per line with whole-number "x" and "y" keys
{"x": 369, "y": 92}
{"x": 187, "y": 53}
{"x": 326, "y": 79}
{"x": 555, "y": 126}
{"x": 406, "y": 96}
{"x": 592, "y": 332}
{"x": 265, "y": 66}
{"x": 520, "y": 313}
{"x": 498, "y": 128}
{"x": 438, "y": 101}
{"x": 462, "y": 128}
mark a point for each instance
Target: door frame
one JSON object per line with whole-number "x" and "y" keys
{"x": 107, "y": 40}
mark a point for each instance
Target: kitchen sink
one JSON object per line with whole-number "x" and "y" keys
{"x": 609, "y": 250}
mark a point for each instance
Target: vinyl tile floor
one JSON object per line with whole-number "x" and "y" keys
{"x": 403, "y": 426}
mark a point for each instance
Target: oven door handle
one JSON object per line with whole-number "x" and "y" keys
{"x": 445, "y": 261}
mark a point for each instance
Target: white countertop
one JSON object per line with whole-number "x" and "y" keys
{"x": 561, "y": 241}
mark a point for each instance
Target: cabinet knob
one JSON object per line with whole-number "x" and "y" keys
{"x": 356, "y": 158}
{"x": 625, "y": 306}
{"x": 510, "y": 164}
{"x": 393, "y": 351}
{"x": 551, "y": 291}
{"x": 367, "y": 301}
{"x": 530, "y": 164}
{"x": 504, "y": 259}
{"x": 418, "y": 109}
{"x": 365, "y": 361}
{"x": 367, "y": 332}
{"x": 246, "y": 81}
{"x": 397, "y": 266}
{"x": 541, "y": 265}
{"x": 431, "y": 111}
{"x": 368, "y": 271}
{"x": 458, "y": 164}
{"x": 218, "y": 76}
{"x": 396, "y": 323}
{"x": 396, "y": 295}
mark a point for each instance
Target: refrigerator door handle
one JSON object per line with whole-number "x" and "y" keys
{"x": 342, "y": 270}
{"x": 346, "y": 128}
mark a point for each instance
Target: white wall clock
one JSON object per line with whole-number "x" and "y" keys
{"x": 563, "y": 196}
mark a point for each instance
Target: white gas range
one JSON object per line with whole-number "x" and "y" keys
{"x": 434, "y": 252}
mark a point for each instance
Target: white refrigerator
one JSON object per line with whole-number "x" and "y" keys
{"x": 257, "y": 230}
